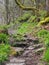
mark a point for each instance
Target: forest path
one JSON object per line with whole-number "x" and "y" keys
{"x": 31, "y": 56}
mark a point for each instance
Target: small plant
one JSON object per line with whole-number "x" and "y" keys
{"x": 42, "y": 13}
{"x": 2, "y": 27}
{"x": 46, "y": 41}
{"x": 24, "y": 17}
{"x": 26, "y": 27}
{"x": 44, "y": 34}
{"x": 4, "y": 52}
{"x": 32, "y": 18}
{"x": 3, "y": 38}
{"x": 18, "y": 37}
{"x": 46, "y": 55}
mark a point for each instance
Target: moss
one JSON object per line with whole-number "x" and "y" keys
{"x": 46, "y": 20}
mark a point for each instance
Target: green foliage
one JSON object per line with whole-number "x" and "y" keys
{"x": 18, "y": 37}
{"x": 24, "y": 17}
{"x": 46, "y": 41}
{"x": 4, "y": 52}
{"x": 46, "y": 55}
{"x": 26, "y": 27}
{"x": 3, "y": 38}
{"x": 42, "y": 13}
{"x": 31, "y": 19}
{"x": 44, "y": 34}
{"x": 2, "y": 27}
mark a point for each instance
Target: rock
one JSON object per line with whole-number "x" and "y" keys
{"x": 15, "y": 64}
{"x": 39, "y": 50}
{"x": 18, "y": 49}
{"x": 17, "y": 60}
{"x": 36, "y": 46}
{"x": 26, "y": 53}
{"x": 40, "y": 63}
{"x": 30, "y": 48}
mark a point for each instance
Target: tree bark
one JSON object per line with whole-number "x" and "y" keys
{"x": 47, "y": 7}
{"x": 7, "y": 11}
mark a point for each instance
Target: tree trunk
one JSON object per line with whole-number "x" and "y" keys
{"x": 7, "y": 11}
{"x": 47, "y": 7}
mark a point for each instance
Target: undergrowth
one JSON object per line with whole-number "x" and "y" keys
{"x": 44, "y": 36}
{"x": 4, "y": 52}
{"x": 3, "y": 38}
{"x": 24, "y": 29}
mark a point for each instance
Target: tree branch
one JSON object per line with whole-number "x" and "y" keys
{"x": 23, "y": 7}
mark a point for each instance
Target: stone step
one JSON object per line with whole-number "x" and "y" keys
{"x": 41, "y": 63}
{"x": 26, "y": 52}
{"x": 15, "y": 63}
{"x": 18, "y": 49}
{"x": 33, "y": 40}
{"x": 37, "y": 46}
{"x": 40, "y": 44}
{"x": 21, "y": 42}
{"x": 39, "y": 50}
{"x": 30, "y": 48}
{"x": 22, "y": 45}
{"x": 17, "y": 60}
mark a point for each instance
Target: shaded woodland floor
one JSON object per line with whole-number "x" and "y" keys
{"x": 27, "y": 39}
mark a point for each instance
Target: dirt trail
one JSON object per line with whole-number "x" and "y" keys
{"x": 31, "y": 55}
